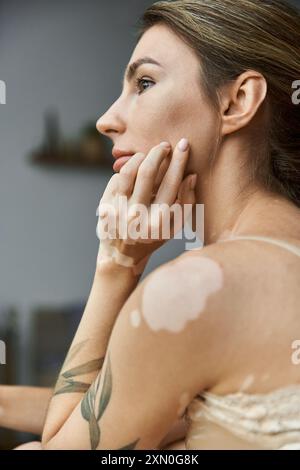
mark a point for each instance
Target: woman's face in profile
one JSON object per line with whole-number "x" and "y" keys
{"x": 162, "y": 102}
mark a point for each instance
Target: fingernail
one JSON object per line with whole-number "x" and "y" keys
{"x": 165, "y": 144}
{"x": 193, "y": 181}
{"x": 183, "y": 145}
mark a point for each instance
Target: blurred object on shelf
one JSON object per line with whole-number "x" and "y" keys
{"x": 90, "y": 150}
{"x": 52, "y": 331}
{"x": 91, "y": 145}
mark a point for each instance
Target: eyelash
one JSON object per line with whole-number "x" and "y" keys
{"x": 139, "y": 81}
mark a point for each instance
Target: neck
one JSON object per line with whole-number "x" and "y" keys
{"x": 232, "y": 206}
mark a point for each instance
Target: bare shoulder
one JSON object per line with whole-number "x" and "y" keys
{"x": 260, "y": 281}
{"x": 194, "y": 281}
{"x": 222, "y": 266}
{"x": 244, "y": 271}
{"x": 232, "y": 255}
{"x": 252, "y": 268}
{"x": 183, "y": 311}
{"x": 188, "y": 304}
{"x": 239, "y": 261}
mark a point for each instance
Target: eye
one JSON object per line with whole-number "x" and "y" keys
{"x": 140, "y": 82}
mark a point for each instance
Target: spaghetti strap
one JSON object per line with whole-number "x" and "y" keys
{"x": 288, "y": 246}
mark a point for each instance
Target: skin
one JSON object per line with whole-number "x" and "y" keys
{"x": 204, "y": 353}
{"x": 137, "y": 182}
{"x": 135, "y": 318}
{"x": 24, "y": 408}
{"x": 164, "y": 308}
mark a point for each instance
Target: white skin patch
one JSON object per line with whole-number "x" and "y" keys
{"x": 135, "y": 318}
{"x": 178, "y": 293}
{"x": 108, "y": 252}
{"x": 247, "y": 383}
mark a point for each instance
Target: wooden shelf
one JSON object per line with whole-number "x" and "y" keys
{"x": 59, "y": 161}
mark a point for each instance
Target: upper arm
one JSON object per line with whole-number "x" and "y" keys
{"x": 158, "y": 358}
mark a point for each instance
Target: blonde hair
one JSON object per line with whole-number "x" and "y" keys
{"x": 230, "y": 37}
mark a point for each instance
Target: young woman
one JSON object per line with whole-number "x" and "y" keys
{"x": 203, "y": 346}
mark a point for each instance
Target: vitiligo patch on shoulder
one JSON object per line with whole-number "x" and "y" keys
{"x": 135, "y": 318}
{"x": 178, "y": 293}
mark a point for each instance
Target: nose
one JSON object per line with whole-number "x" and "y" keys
{"x": 111, "y": 122}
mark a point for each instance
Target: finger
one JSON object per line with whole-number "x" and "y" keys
{"x": 128, "y": 172}
{"x": 161, "y": 172}
{"x": 186, "y": 199}
{"x": 168, "y": 220}
{"x": 169, "y": 187}
{"x": 111, "y": 189}
{"x": 144, "y": 184}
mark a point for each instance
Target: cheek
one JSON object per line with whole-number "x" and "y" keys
{"x": 191, "y": 117}
{"x": 161, "y": 112}
{"x": 169, "y": 114}
{"x": 148, "y": 119}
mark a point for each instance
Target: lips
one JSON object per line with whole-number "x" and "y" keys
{"x": 121, "y": 156}
{"x": 117, "y": 153}
{"x": 120, "y": 162}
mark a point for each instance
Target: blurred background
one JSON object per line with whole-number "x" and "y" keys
{"x": 62, "y": 62}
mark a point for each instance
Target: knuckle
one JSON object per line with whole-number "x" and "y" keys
{"x": 115, "y": 178}
{"x": 146, "y": 170}
{"x": 140, "y": 155}
{"x": 126, "y": 172}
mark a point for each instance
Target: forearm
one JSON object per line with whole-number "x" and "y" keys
{"x": 111, "y": 287}
{"x": 24, "y": 408}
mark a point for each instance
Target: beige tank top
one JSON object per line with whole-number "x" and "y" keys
{"x": 266, "y": 421}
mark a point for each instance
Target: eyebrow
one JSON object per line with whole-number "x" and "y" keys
{"x": 132, "y": 68}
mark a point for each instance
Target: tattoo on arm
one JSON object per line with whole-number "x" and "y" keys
{"x": 67, "y": 382}
{"x": 92, "y": 413}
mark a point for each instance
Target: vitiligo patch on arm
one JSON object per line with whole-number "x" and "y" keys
{"x": 178, "y": 293}
{"x": 108, "y": 253}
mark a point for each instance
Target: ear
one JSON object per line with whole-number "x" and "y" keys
{"x": 241, "y": 99}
